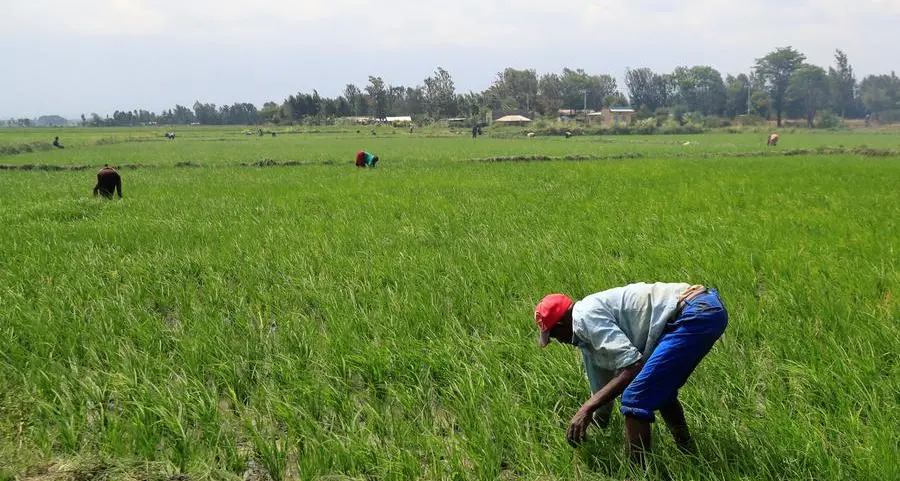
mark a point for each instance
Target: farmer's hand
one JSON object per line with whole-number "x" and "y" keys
{"x": 578, "y": 427}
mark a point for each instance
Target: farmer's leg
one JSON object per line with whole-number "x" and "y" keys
{"x": 689, "y": 338}
{"x": 673, "y": 414}
{"x": 637, "y": 431}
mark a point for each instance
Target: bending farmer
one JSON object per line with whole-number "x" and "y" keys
{"x": 108, "y": 180}
{"x": 641, "y": 341}
{"x": 365, "y": 159}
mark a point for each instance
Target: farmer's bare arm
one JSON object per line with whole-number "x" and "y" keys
{"x": 579, "y": 424}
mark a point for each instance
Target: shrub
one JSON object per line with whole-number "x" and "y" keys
{"x": 682, "y": 113}
{"x": 889, "y": 116}
{"x": 662, "y": 114}
{"x": 646, "y": 126}
{"x": 827, "y": 120}
{"x": 749, "y": 120}
{"x": 710, "y": 121}
{"x": 672, "y": 126}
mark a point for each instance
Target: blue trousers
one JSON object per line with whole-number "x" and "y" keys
{"x": 686, "y": 340}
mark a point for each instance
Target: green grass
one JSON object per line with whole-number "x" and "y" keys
{"x": 322, "y": 320}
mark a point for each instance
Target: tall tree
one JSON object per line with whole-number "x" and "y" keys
{"x": 880, "y": 93}
{"x": 776, "y": 69}
{"x": 378, "y": 96}
{"x": 809, "y": 85}
{"x": 440, "y": 95}
{"x": 415, "y": 100}
{"x": 470, "y": 104}
{"x": 647, "y": 89}
{"x": 842, "y": 83}
{"x": 761, "y": 104}
{"x": 355, "y": 99}
{"x": 516, "y": 89}
{"x": 582, "y": 90}
{"x": 550, "y": 95}
{"x": 182, "y": 115}
{"x": 206, "y": 113}
{"x": 396, "y": 100}
{"x": 701, "y": 89}
{"x": 737, "y": 95}
{"x": 271, "y": 113}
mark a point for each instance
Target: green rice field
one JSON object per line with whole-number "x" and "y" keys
{"x": 258, "y": 308}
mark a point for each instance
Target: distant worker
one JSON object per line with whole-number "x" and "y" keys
{"x": 475, "y": 131}
{"x": 108, "y": 180}
{"x": 366, "y": 159}
{"x": 568, "y": 134}
{"x": 773, "y": 140}
{"x": 273, "y": 134}
{"x": 56, "y": 143}
{"x": 642, "y": 342}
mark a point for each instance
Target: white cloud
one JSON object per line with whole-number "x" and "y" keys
{"x": 82, "y": 18}
{"x": 324, "y": 42}
{"x": 404, "y": 24}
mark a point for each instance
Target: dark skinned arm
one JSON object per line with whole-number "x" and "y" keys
{"x": 579, "y": 424}
{"x": 97, "y": 186}
{"x": 119, "y": 186}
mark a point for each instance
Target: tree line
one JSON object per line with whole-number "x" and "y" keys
{"x": 780, "y": 85}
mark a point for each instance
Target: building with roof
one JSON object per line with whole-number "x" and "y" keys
{"x": 618, "y": 116}
{"x": 577, "y": 115}
{"x": 401, "y": 119}
{"x": 513, "y": 120}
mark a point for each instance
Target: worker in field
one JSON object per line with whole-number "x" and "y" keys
{"x": 642, "y": 342}
{"x": 773, "y": 140}
{"x": 366, "y": 159}
{"x": 108, "y": 180}
{"x": 56, "y": 143}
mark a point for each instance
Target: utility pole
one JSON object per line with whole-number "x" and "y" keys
{"x": 749, "y": 90}
{"x": 585, "y": 107}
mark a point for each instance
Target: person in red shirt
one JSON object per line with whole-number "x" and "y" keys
{"x": 366, "y": 159}
{"x": 108, "y": 180}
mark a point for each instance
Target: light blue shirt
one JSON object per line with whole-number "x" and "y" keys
{"x": 618, "y": 327}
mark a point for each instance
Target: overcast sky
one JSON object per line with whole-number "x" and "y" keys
{"x": 74, "y": 56}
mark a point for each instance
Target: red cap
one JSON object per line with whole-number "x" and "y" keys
{"x": 548, "y": 312}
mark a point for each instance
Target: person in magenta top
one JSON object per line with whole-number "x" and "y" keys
{"x": 366, "y": 159}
